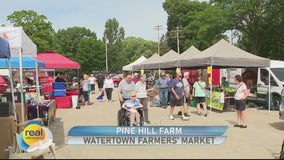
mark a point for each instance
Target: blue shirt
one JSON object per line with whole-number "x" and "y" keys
{"x": 178, "y": 86}
{"x": 163, "y": 83}
{"x": 129, "y": 104}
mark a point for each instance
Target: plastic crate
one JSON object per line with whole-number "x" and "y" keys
{"x": 58, "y": 85}
{"x": 59, "y": 93}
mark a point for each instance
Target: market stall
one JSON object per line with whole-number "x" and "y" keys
{"x": 55, "y": 60}
{"x": 20, "y": 46}
{"x": 7, "y": 123}
{"x": 223, "y": 55}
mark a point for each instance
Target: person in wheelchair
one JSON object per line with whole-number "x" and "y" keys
{"x": 132, "y": 106}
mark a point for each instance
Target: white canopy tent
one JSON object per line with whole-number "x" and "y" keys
{"x": 129, "y": 67}
{"x": 20, "y": 45}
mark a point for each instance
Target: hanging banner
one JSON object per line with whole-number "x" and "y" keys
{"x": 46, "y": 84}
{"x": 209, "y": 70}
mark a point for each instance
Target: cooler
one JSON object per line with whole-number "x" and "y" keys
{"x": 63, "y": 102}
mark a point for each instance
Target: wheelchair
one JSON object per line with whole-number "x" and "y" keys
{"x": 124, "y": 120}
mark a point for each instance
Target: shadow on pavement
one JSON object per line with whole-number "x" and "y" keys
{"x": 278, "y": 125}
{"x": 57, "y": 129}
{"x": 231, "y": 122}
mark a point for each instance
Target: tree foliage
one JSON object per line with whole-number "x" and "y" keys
{"x": 135, "y": 47}
{"x": 69, "y": 40}
{"x": 113, "y": 36}
{"x": 36, "y": 27}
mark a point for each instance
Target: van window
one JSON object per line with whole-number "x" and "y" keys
{"x": 279, "y": 73}
{"x": 264, "y": 78}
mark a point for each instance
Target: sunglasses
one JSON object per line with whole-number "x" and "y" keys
{"x": 133, "y": 96}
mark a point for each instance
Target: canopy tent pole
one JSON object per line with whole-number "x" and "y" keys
{"x": 12, "y": 90}
{"x": 37, "y": 79}
{"x": 269, "y": 96}
{"x": 211, "y": 83}
{"x": 21, "y": 84}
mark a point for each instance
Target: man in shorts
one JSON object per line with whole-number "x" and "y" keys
{"x": 177, "y": 95}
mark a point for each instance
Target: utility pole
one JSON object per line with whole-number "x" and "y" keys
{"x": 178, "y": 40}
{"x": 106, "y": 42}
{"x": 158, "y": 28}
{"x": 176, "y": 34}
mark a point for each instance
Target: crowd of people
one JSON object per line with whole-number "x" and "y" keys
{"x": 171, "y": 92}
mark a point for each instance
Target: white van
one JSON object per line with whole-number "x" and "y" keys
{"x": 259, "y": 94}
{"x": 276, "y": 72}
{"x": 281, "y": 107}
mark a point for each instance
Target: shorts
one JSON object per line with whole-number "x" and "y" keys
{"x": 240, "y": 105}
{"x": 175, "y": 102}
{"x": 199, "y": 99}
{"x": 186, "y": 99}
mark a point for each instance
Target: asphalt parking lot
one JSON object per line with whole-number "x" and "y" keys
{"x": 261, "y": 140}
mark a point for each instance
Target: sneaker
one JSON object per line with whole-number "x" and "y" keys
{"x": 185, "y": 118}
{"x": 243, "y": 126}
{"x": 171, "y": 117}
{"x": 187, "y": 115}
{"x": 237, "y": 125}
{"x": 148, "y": 122}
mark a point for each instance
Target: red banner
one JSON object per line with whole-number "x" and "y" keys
{"x": 46, "y": 83}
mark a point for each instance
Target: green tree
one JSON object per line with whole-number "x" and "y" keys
{"x": 91, "y": 55}
{"x": 114, "y": 35}
{"x": 70, "y": 38}
{"x": 248, "y": 16}
{"x": 134, "y": 47}
{"x": 113, "y": 32}
{"x": 273, "y": 32}
{"x": 199, "y": 23}
{"x": 81, "y": 45}
{"x": 36, "y": 27}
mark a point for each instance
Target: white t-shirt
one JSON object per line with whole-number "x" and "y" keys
{"x": 186, "y": 85}
{"x": 241, "y": 90}
{"x": 141, "y": 89}
{"x": 92, "y": 80}
{"x": 108, "y": 83}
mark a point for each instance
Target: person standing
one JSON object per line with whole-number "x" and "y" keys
{"x": 92, "y": 80}
{"x": 240, "y": 101}
{"x": 85, "y": 88}
{"x": 187, "y": 92}
{"x": 100, "y": 81}
{"x": 141, "y": 93}
{"x": 108, "y": 87}
{"x": 162, "y": 87}
{"x": 199, "y": 95}
{"x": 125, "y": 87}
{"x": 177, "y": 95}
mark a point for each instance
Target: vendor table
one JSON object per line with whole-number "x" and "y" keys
{"x": 220, "y": 100}
{"x": 72, "y": 92}
{"x": 8, "y": 127}
{"x": 63, "y": 102}
{"x": 45, "y": 109}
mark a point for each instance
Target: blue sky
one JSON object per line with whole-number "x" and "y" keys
{"x": 137, "y": 17}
